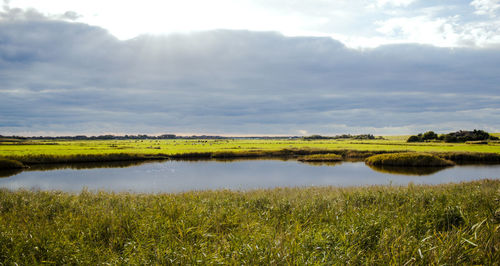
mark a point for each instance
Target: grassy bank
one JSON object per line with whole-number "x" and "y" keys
{"x": 10, "y": 164}
{"x": 446, "y": 224}
{"x": 329, "y": 157}
{"x": 408, "y": 159}
{"x": 179, "y": 147}
{"x": 393, "y": 158}
{"x": 43, "y": 152}
{"x": 466, "y": 157}
{"x": 35, "y": 159}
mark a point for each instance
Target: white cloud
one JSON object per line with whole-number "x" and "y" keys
{"x": 440, "y": 32}
{"x": 398, "y": 3}
{"x": 303, "y": 132}
{"x": 486, "y": 7}
{"x": 59, "y": 75}
{"x": 357, "y": 23}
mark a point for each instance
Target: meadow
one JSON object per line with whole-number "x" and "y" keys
{"x": 415, "y": 224}
{"x": 445, "y": 224}
{"x": 45, "y": 151}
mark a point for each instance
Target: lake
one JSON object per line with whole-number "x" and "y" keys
{"x": 177, "y": 176}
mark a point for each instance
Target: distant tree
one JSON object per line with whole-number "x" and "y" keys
{"x": 450, "y": 138}
{"x": 413, "y": 139}
{"x": 429, "y": 135}
{"x": 364, "y": 136}
{"x": 313, "y": 137}
{"x": 167, "y": 136}
{"x": 464, "y": 135}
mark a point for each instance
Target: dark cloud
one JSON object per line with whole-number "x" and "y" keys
{"x": 70, "y": 15}
{"x": 74, "y": 78}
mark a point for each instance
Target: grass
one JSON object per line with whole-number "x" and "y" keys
{"x": 44, "y": 151}
{"x": 445, "y": 224}
{"x": 329, "y": 157}
{"x": 465, "y": 157}
{"x": 408, "y": 159}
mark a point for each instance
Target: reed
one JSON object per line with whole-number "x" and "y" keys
{"x": 382, "y": 225}
{"x": 470, "y": 157}
{"x": 329, "y": 157}
{"x": 72, "y": 151}
{"x": 408, "y": 159}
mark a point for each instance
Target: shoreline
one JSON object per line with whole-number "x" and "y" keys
{"x": 28, "y": 161}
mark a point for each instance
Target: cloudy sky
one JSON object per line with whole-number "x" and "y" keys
{"x": 237, "y": 67}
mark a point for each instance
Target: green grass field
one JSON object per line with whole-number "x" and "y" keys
{"x": 71, "y": 151}
{"x": 170, "y": 147}
{"x": 446, "y": 225}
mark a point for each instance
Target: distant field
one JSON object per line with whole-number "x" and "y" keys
{"x": 169, "y": 147}
{"x": 72, "y": 151}
{"x": 397, "y": 137}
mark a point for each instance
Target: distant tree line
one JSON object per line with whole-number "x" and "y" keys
{"x": 100, "y": 137}
{"x": 140, "y": 137}
{"x": 459, "y": 136}
{"x": 343, "y": 136}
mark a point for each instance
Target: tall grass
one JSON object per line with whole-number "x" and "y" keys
{"x": 445, "y": 224}
{"x": 172, "y": 147}
{"x": 466, "y": 157}
{"x": 84, "y": 158}
{"x": 408, "y": 159}
{"x": 329, "y": 157}
{"x": 42, "y": 152}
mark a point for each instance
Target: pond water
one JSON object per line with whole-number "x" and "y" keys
{"x": 176, "y": 176}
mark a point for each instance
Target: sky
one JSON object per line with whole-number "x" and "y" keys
{"x": 271, "y": 67}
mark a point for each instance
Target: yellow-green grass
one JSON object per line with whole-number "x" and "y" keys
{"x": 408, "y": 159}
{"x": 66, "y": 151}
{"x": 170, "y": 147}
{"x": 454, "y": 224}
{"x": 328, "y": 157}
{"x": 397, "y": 137}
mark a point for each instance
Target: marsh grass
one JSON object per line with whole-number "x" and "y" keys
{"x": 412, "y": 159}
{"x": 445, "y": 224}
{"x": 47, "y": 158}
{"x": 329, "y": 157}
{"x": 469, "y": 157}
{"x": 84, "y": 158}
{"x": 72, "y": 151}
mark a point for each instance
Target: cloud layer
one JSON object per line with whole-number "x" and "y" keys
{"x": 59, "y": 77}
{"x": 356, "y": 23}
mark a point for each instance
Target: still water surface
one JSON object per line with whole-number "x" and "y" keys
{"x": 176, "y": 176}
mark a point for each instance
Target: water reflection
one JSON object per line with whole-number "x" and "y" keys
{"x": 80, "y": 166}
{"x": 125, "y": 164}
{"x": 10, "y": 172}
{"x": 321, "y": 163}
{"x": 236, "y": 159}
{"x": 175, "y": 176}
{"x": 407, "y": 170}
